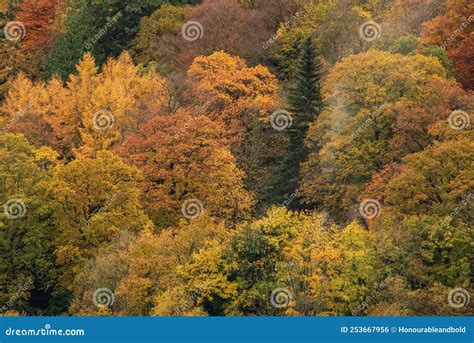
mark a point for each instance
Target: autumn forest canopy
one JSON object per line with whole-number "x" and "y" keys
{"x": 236, "y": 157}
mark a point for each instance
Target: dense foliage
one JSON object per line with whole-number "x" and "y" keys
{"x": 233, "y": 157}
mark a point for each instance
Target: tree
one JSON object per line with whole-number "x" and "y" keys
{"x": 91, "y": 112}
{"x": 440, "y": 53}
{"x": 335, "y": 39}
{"x": 115, "y": 102}
{"x": 184, "y": 157}
{"x": 179, "y": 35}
{"x": 305, "y": 103}
{"x": 405, "y": 45}
{"x": 241, "y": 99}
{"x": 97, "y": 200}
{"x": 462, "y": 57}
{"x": 42, "y": 112}
{"x": 167, "y": 19}
{"x": 9, "y": 55}
{"x": 432, "y": 180}
{"x": 105, "y": 28}
{"x": 28, "y": 226}
{"x": 452, "y": 30}
{"x": 38, "y": 17}
{"x": 350, "y": 139}
{"x": 406, "y": 17}
{"x": 413, "y": 120}
{"x": 284, "y": 251}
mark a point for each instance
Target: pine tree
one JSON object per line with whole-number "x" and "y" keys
{"x": 305, "y": 104}
{"x": 304, "y": 95}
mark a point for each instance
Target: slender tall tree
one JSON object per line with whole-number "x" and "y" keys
{"x": 305, "y": 104}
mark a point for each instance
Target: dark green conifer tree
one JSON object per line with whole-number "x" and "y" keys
{"x": 305, "y": 104}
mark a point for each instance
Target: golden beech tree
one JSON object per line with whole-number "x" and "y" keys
{"x": 433, "y": 180}
{"x": 233, "y": 93}
{"x": 97, "y": 199}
